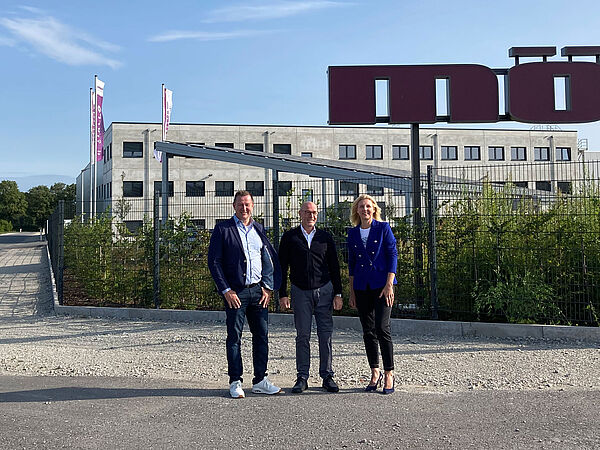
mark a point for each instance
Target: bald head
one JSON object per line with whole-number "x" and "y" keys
{"x": 308, "y": 215}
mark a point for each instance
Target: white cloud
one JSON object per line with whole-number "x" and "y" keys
{"x": 60, "y": 42}
{"x": 273, "y": 10}
{"x": 204, "y": 35}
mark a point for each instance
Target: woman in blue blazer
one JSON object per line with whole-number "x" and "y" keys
{"x": 372, "y": 262}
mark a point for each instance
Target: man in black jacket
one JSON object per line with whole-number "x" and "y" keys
{"x": 316, "y": 288}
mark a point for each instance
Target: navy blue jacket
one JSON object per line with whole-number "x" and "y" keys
{"x": 227, "y": 262}
{"x": 369, "y": 266}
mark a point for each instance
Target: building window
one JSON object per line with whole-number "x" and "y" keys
{"x": 110, "y": 189}
{"x": 543, "y": 186}
{"x": 133, "y": 188}
{"x": 347, "y": 151}
{"x": 374, "y": 190}
{"x": 306, "y": 154}
{"x": 199, "y": 223}
{"x": 563, "y": 153}
{"x": 133, "y": 149}
{"x": 426, "y": 152}
{"x": 284, "y": 188}
{"x": 518, "y": 153}
{"x": 133, "y": 225}
{"x": 158, "y": 188}
{"x": 374, "y": 151}
{"x": 496, "y": 153}
{"x": 307, "y": 195}
{"x": 472, "y": 153}
{"x": 400, "y": 152}
{"x": 566, "y": 187}
{"x": 541, "y": 153}
{"x": 449, "y": 152}
{"x": 348, "y": 188}
{"x": 195, "y": 189}
{"x": 254, "y": 147}
{"x": 256, "y": 188}
{"x": 224, "y": 144}
{"x": 521, "y": 184}
{"x": 223, "y": 188}
{"x": 283, "y": 149}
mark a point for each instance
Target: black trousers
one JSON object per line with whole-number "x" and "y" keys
{"x": 375, "y": 319}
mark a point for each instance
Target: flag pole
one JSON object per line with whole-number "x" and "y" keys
{"x": 165, "y": 161}
{"x": 92, "y": 154}
{"x": 95, "y": 141}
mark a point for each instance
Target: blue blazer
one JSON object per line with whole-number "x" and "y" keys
{"x": 369, "y": 266}
{"x": 227, "y": 262}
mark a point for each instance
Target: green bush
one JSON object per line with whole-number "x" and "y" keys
{"x": 5, "y": 226}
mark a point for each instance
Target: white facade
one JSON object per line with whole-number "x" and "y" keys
{"x": 129, "y": 159}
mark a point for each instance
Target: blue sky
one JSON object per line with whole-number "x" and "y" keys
{"x": 239, "y": 62}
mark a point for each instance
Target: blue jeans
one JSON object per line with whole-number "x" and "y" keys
{"x": 257, "y": 317}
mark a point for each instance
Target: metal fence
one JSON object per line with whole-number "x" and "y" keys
{"x": 517, "y": 243}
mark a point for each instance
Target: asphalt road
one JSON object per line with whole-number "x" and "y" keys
{"x": 91, "y": 413}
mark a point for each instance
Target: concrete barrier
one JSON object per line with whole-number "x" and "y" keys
{"x": 399, "y": 326}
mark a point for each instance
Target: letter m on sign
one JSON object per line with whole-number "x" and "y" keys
{"x": 472, "y": 93}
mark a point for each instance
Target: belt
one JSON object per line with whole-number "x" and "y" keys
{"x": 251, "y": 285}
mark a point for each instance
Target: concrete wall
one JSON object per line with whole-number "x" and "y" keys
{"x": 322, "y": 142}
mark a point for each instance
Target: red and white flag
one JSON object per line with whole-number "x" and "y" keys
{"x": 99, "y": 120}
{"x": 167, "y": 106}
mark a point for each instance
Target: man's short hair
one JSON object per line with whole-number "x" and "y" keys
{"x": 242, "y": 194}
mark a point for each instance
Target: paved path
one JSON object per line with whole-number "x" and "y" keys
{"x": 25, "y": 288}
{"x": 480, "y": 400}
{"x": 107, "y": 413}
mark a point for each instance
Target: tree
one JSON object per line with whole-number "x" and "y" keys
{"x": 66, "y": 192}
{"x": 12, "y": 201}
{"x": 40, "y": 204}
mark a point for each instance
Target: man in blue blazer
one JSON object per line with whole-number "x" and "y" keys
{"x": 245, "y": 268}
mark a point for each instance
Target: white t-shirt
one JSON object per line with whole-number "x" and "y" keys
{"x": 364, "y": 235}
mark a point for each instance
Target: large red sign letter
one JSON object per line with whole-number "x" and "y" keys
{"x": 531, "y": 92}
{"x": 473, "y": 93}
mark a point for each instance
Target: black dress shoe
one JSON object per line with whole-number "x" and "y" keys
{"x": 330, "y": 385}
{"x": 300, "y": 386}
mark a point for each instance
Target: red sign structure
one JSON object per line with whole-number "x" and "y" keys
{"x": 472, "y": 90}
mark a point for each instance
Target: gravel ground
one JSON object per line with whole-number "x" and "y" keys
{"x": 195, "y": 352}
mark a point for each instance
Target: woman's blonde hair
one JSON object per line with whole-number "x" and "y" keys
{"x": 355, "y": 218}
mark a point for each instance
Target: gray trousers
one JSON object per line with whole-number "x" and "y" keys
{"x": 306, "y": 303}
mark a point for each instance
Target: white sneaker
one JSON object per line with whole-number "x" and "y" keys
{"x": 235, "y": 390}
{"x": 265, "y": 387}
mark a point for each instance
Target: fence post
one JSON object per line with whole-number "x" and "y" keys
{"x": 156, "y": 273}
{"x": 431, "y": 211}
{"x": 416, "y": 211}
{"x": 61, "y": 250}
{"x": 276, "y": 225}
{"x": 324, "y": 201}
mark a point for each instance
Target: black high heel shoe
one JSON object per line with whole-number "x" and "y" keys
{"x": 373, "y": 387}
{"x": 392, "y": 389}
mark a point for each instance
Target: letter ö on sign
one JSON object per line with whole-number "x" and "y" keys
{"x": 531, "y": 92}
{"x": 472, "y": 92}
